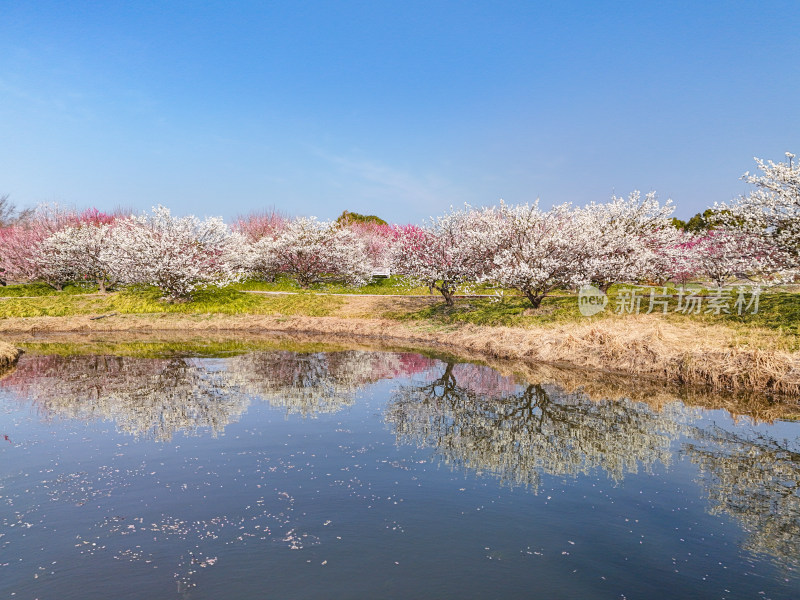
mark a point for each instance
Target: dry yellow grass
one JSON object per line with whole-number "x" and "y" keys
{"x": 656, "y": 394}
{"x": 8, "y": 355}
{"x": 716, "y": 356}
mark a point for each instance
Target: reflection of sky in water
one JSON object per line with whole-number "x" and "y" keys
{"x": 274, "y": 474}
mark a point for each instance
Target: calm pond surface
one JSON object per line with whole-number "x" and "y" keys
{"x": 360, "y": 474}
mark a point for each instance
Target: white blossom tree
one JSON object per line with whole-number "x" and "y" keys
{"x": 536, "y": 251}
{"x": 450, "y": 251}
{"x": 79, "y": 251}
{"x": 633, "y": 240}
{"x": 312, "y": 251}
{"x": 176, "y": 254}
{"x": 772, "y": 210}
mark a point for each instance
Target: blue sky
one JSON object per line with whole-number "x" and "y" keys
{"x": 399, "y": 109}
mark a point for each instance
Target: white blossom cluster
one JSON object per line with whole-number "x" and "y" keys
{"x": 771, "y": 211}
{"x": 453, "y": 250}
{"x": 532, "y": 250}
{"x": 176, "y": 254}
{"x": 311, "y": 251}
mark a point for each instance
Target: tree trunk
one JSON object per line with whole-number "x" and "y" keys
{"x": 445, "y": 291}
{"x": 535, "y": 299}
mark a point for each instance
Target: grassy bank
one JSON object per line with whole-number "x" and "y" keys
{"x": 756, "y": 352}
{"x": 148, "y": 301}
{"x": 778, "y": 312}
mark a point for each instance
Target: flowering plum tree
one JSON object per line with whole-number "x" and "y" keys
{"x": 177, "y": 255}
{"x": 722, "y": 254}
{"x": 536, "y": 251}
{"x": 312, "y": 251}
{"x": 79, "y": 251}
{"x": 18, "y": 244}
{"x": 379, "y": 240}
{"x": 633, "y": 239}
{"x": 450, "y": 251}
{"x": 679, "y": 262}
{"x": 260, "y": 224}
{"x": 772, "y": 210}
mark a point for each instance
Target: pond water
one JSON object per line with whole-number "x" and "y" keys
{"x": 360, "y": 474}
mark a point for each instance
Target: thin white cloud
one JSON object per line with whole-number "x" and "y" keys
{"x": 424, "y": 193}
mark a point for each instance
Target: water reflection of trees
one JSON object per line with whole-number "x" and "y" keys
{"x": 316, "y": 383}
{"x": 533, "y": 429}
{"x": 153, "y": 398}
{"x": 157, "y": 397}
{"x": 474, "y": 418}
{"x": 755, "y": 480}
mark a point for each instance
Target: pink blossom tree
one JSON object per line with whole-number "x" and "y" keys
{"x": 681, "y": 260}
{"x": 379, "y": 240}
{"x": 723, "y": 254}
{"x": 260, "y": 224}
{"x": 20, "y": 245}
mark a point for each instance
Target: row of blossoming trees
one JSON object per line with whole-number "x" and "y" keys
{"x": 521, "y": 247}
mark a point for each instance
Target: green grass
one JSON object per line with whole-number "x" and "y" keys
{"x": 776, "y": 311}
{"x": 394, "y": 285}
{"x": 386, "y": 286}
{"x": 166, "y": 348}
{"x": 148, "y": 300}
{"x": 42, "y": 289}
{"x": 511, "y": 311}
